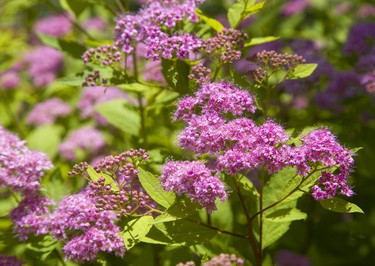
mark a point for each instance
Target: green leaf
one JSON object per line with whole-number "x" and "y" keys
{"x": 73, "y": 48}
{"x": 255, "y": 8}
{"x": 135, "y": 87}
{"x": 72, "y": 80}
{"x": 73, "y": 6}
{"x": 176, "y": 73}
{"x": 94, "y": 176}
{"x": 340, "y": 205}
{"x": 260, "y": 40}
{"x": 46, "y": 139}
{"x": 286, "y": 215}
{"x": 49, "y": 41}
{"x": 182, "y": 208}
{"x": 179, "y": 233}
{"x": 120, "y": 114}
{"x": 136, "y": 229}
{"x": 234, "y": 14}
{"x": 354, "y": 151}
{"x": 216, "y": 25}
{"x": 153, "y": 188}
{"x": 302, "y": 71}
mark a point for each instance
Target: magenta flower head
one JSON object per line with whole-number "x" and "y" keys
{"x": 44, "y": 63}
{"x": 47, "y": 112}
{"x": 86, "y": 231}
{"x": 7, "y": 260}
{"x": 56, "y": 25}
{"x": 20, "y": 168}
{"x": 86, "y": 139}
{"x": 195, "y": 180}
{"x": 9, "y": 80}
{"x": 320, "y": 147}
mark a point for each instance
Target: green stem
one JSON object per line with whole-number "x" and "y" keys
{"x": 143, "y": 131}
{"x": 120, "y": 6}
{"x": 251, "y": 236}
{"x": 217, "y": 72}
{"x": 217, "y": 229}
{"x": 289, "y": 194}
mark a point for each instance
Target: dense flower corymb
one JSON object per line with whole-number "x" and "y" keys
{"x": 20, "y": 168}
{"x": 195, "y": 180}
{"x": 47, "y": 112}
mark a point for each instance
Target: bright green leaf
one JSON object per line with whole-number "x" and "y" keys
{"x": 260, "y": 40}
{"x": 119, "y": 114}
{"x": 354, "y": 151}
{"x": 234, "y": 14}
{"x": 252, "y": 9}
{"x": 49, "y": 40}
{"x": 216, "y": 25}
{"x": 340, "y": 205}
{"x": 136, "y": 229}
{"x": 153, "y": 188}
{"x": 286, "y": 215}
{"x": 72, "y": 80}
{"x": 46, "y": 139}
{"x": 302, "y": 71}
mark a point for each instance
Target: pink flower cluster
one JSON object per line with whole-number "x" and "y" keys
{"x": 217, "y": 124}
{"x": 47, "y": 112}
{"x": 195, "y": 180}
{"x": 147, "y": 27}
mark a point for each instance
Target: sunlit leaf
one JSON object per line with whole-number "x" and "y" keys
{"x": 136, "y": 229}
{"x": 340, "y": 205}
{"x": 153, "y": 188}
{"x": 302, "y": 71}
{"x": 216, "y": 25}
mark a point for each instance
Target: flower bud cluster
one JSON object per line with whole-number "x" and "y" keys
{"x": 269, "y": 61}
{"x": 94, "y": 79}
{"x": 226, "y": 45}
{"x": 105, "y": 55}
{"x": 124, "y": 194}
{"x": 200, "y": 74}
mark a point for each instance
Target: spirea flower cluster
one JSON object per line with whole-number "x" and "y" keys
{"x": 20, "y": 168}
{"x": 218, "y": 125}
{"x": 220, "y": 260}
{"x": 48, "y": 111}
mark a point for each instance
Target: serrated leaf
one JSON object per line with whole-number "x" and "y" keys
{"x": 119, "y": 114}
{"x": 182, "y": 208}
{"x": 179, "y": 233}
{"x": 216, "y": 25}
{"x": 46, "y": 139}
{"x": 136, "y": 229}
{"x": 260, "y": 40}
{"x": 94, "y": 176}
{"x": 286, "y": 215}
{"x": 340, "y": 205}
{"x": 302, "y": 71}
{"x": 153, "y": 188}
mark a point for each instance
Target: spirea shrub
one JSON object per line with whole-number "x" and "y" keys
{"x": 172, "y": 141}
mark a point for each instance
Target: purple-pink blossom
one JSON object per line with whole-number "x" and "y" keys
{"x": 195, "y": 180}
{"x": 44, "y": 63}
{"x": 86, "y": 139}
{"x": 48, "y": 111}
{"x": 20, "y": 168}
{"x": 56, "y": 25}
{"x": 9, "y": 80}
